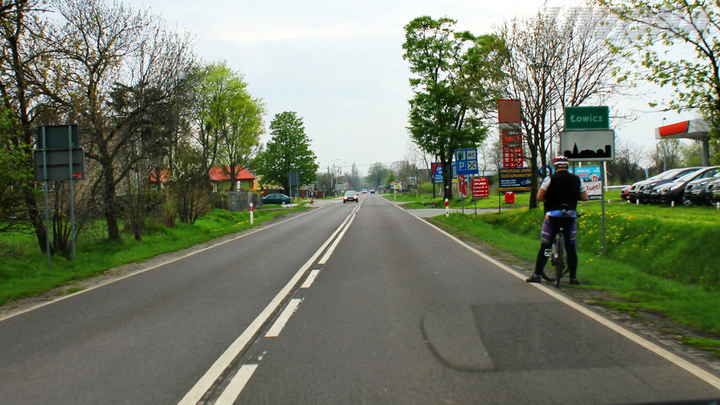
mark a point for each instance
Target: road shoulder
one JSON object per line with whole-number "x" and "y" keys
{"x": 652, "y": 325}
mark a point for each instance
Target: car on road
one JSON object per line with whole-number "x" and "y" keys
{"x": 276, "y": 198}
{"x": 372, "y": 191}
{"x": 350, "y": 196}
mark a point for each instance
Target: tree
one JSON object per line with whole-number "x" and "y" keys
{"x": 14, "y": 172}
{"x": 667, "y": 155}
{"x": 653, "y": 28}
{"x": 287, "y": 151}
{"x": 626, "y": 169}
{"x": 457, "y": 83}
{"x": 19, "y": 28}
{"x": 95, "y": 52}
{"x": 377, "y": 173}
{"x": 229, "y": 121}
{"x": 556, "y": 62}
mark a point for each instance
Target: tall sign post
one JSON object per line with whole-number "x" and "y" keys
{"x": 509, "y": 119}
{"x": 58, "y": 157}
{"x": 466, "y": 164}
{"x": 588, "y": 138}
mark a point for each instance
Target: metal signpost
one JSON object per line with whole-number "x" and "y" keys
{"x": 58, "y": 157}
{"x": 588, "y": 138}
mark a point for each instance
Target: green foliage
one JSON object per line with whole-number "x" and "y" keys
{"x": 377, "y": 173}
{"x": 658, "y": 240}
{"x": 288, "y": 150}
{"x": 15, "y": 172}
{"x": 657, "y": 28}
{"x": 231, "y": 118}
{"x": 457, "y": 81}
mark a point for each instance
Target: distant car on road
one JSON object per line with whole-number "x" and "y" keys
{"x": 372, "y": 191}
{"x": 277, "y": 198}
{"x": 364, "y": 191}
{"x": 350, "y": 196}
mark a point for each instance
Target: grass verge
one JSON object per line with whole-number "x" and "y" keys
{"x": 25, "y": 273}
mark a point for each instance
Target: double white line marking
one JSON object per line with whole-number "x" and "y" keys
{"x": 232, "y": 391}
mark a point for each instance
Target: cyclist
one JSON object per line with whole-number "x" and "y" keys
{"x": 559, "y": 190}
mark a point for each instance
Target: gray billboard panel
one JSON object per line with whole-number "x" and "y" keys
{"x": 58, "y": 164}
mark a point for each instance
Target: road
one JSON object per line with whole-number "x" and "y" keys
{"x": 346, "y": 304}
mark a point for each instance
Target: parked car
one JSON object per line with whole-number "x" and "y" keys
{"x": 675, "y": 190}
{"x": 625, "y": 193}
{"x": 712, "y": 192}
{"x": 644, "y": 190}
{"x": 696, "y": 191}
{"x": 636, "y": 188}
{"x": 277, "y": 198}
{"x": 350, "y": 196}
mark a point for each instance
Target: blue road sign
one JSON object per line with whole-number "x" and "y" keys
{"x": 467, "y": 163}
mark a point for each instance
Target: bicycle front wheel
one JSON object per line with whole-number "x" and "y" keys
{"x": 560, "y": 258}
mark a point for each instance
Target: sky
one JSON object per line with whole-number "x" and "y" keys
{"x": 338, "y": 64}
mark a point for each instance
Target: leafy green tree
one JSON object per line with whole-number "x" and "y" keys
{"x": 377, "y": 173}
{"x": 655, "y": 27}
{"x": 287, "y": 151}
{"x": 229, "y": 120}
{"x": 19, "y": 26}
{"x": 458, "y": 81}
{"x": 14, "y": 172}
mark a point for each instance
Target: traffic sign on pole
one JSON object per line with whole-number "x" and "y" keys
{"x": 467, "y": 163}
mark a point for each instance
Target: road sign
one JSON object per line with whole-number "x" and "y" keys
{"x": 583, "y": 118}
{"x": 58, "y": 137}
{"x": 588, "y": 146}
{"x": 480, "y": 187}
{"x": 467, "y": 163}
{"x": 437, "y": 173}
{"x": 517, "y": 179}
{"x": 58, "y": 164}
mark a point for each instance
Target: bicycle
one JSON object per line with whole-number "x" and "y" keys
{"x": 556, "y": 252}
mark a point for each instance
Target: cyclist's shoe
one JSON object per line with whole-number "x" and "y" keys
{"x": 574, "y": 281}
{"x": 535, "y": 278}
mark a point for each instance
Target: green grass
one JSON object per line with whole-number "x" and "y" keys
{"x": 712, "y": 345}
{"x": 24, "y": 272}
{"x": 688, "y": 293}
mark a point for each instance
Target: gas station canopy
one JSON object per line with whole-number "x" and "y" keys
{"x": 697, "y": 129}
{"x": 693, "y": 129}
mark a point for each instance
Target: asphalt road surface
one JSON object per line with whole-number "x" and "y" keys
{"x": 345, "y": 304}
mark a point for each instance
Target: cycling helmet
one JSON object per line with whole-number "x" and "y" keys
{"x": 560, "y": 161}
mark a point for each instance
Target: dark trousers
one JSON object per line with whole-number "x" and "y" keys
{"x": 551, "y": 227}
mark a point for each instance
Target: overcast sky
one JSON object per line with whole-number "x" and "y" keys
{"x": 338, "y": 64}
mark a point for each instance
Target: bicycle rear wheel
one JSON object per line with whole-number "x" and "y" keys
{"x": 549, "y": 270}
{"x": 560, "y": 259}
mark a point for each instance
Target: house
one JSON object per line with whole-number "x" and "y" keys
{"x": 220, "y": 178}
